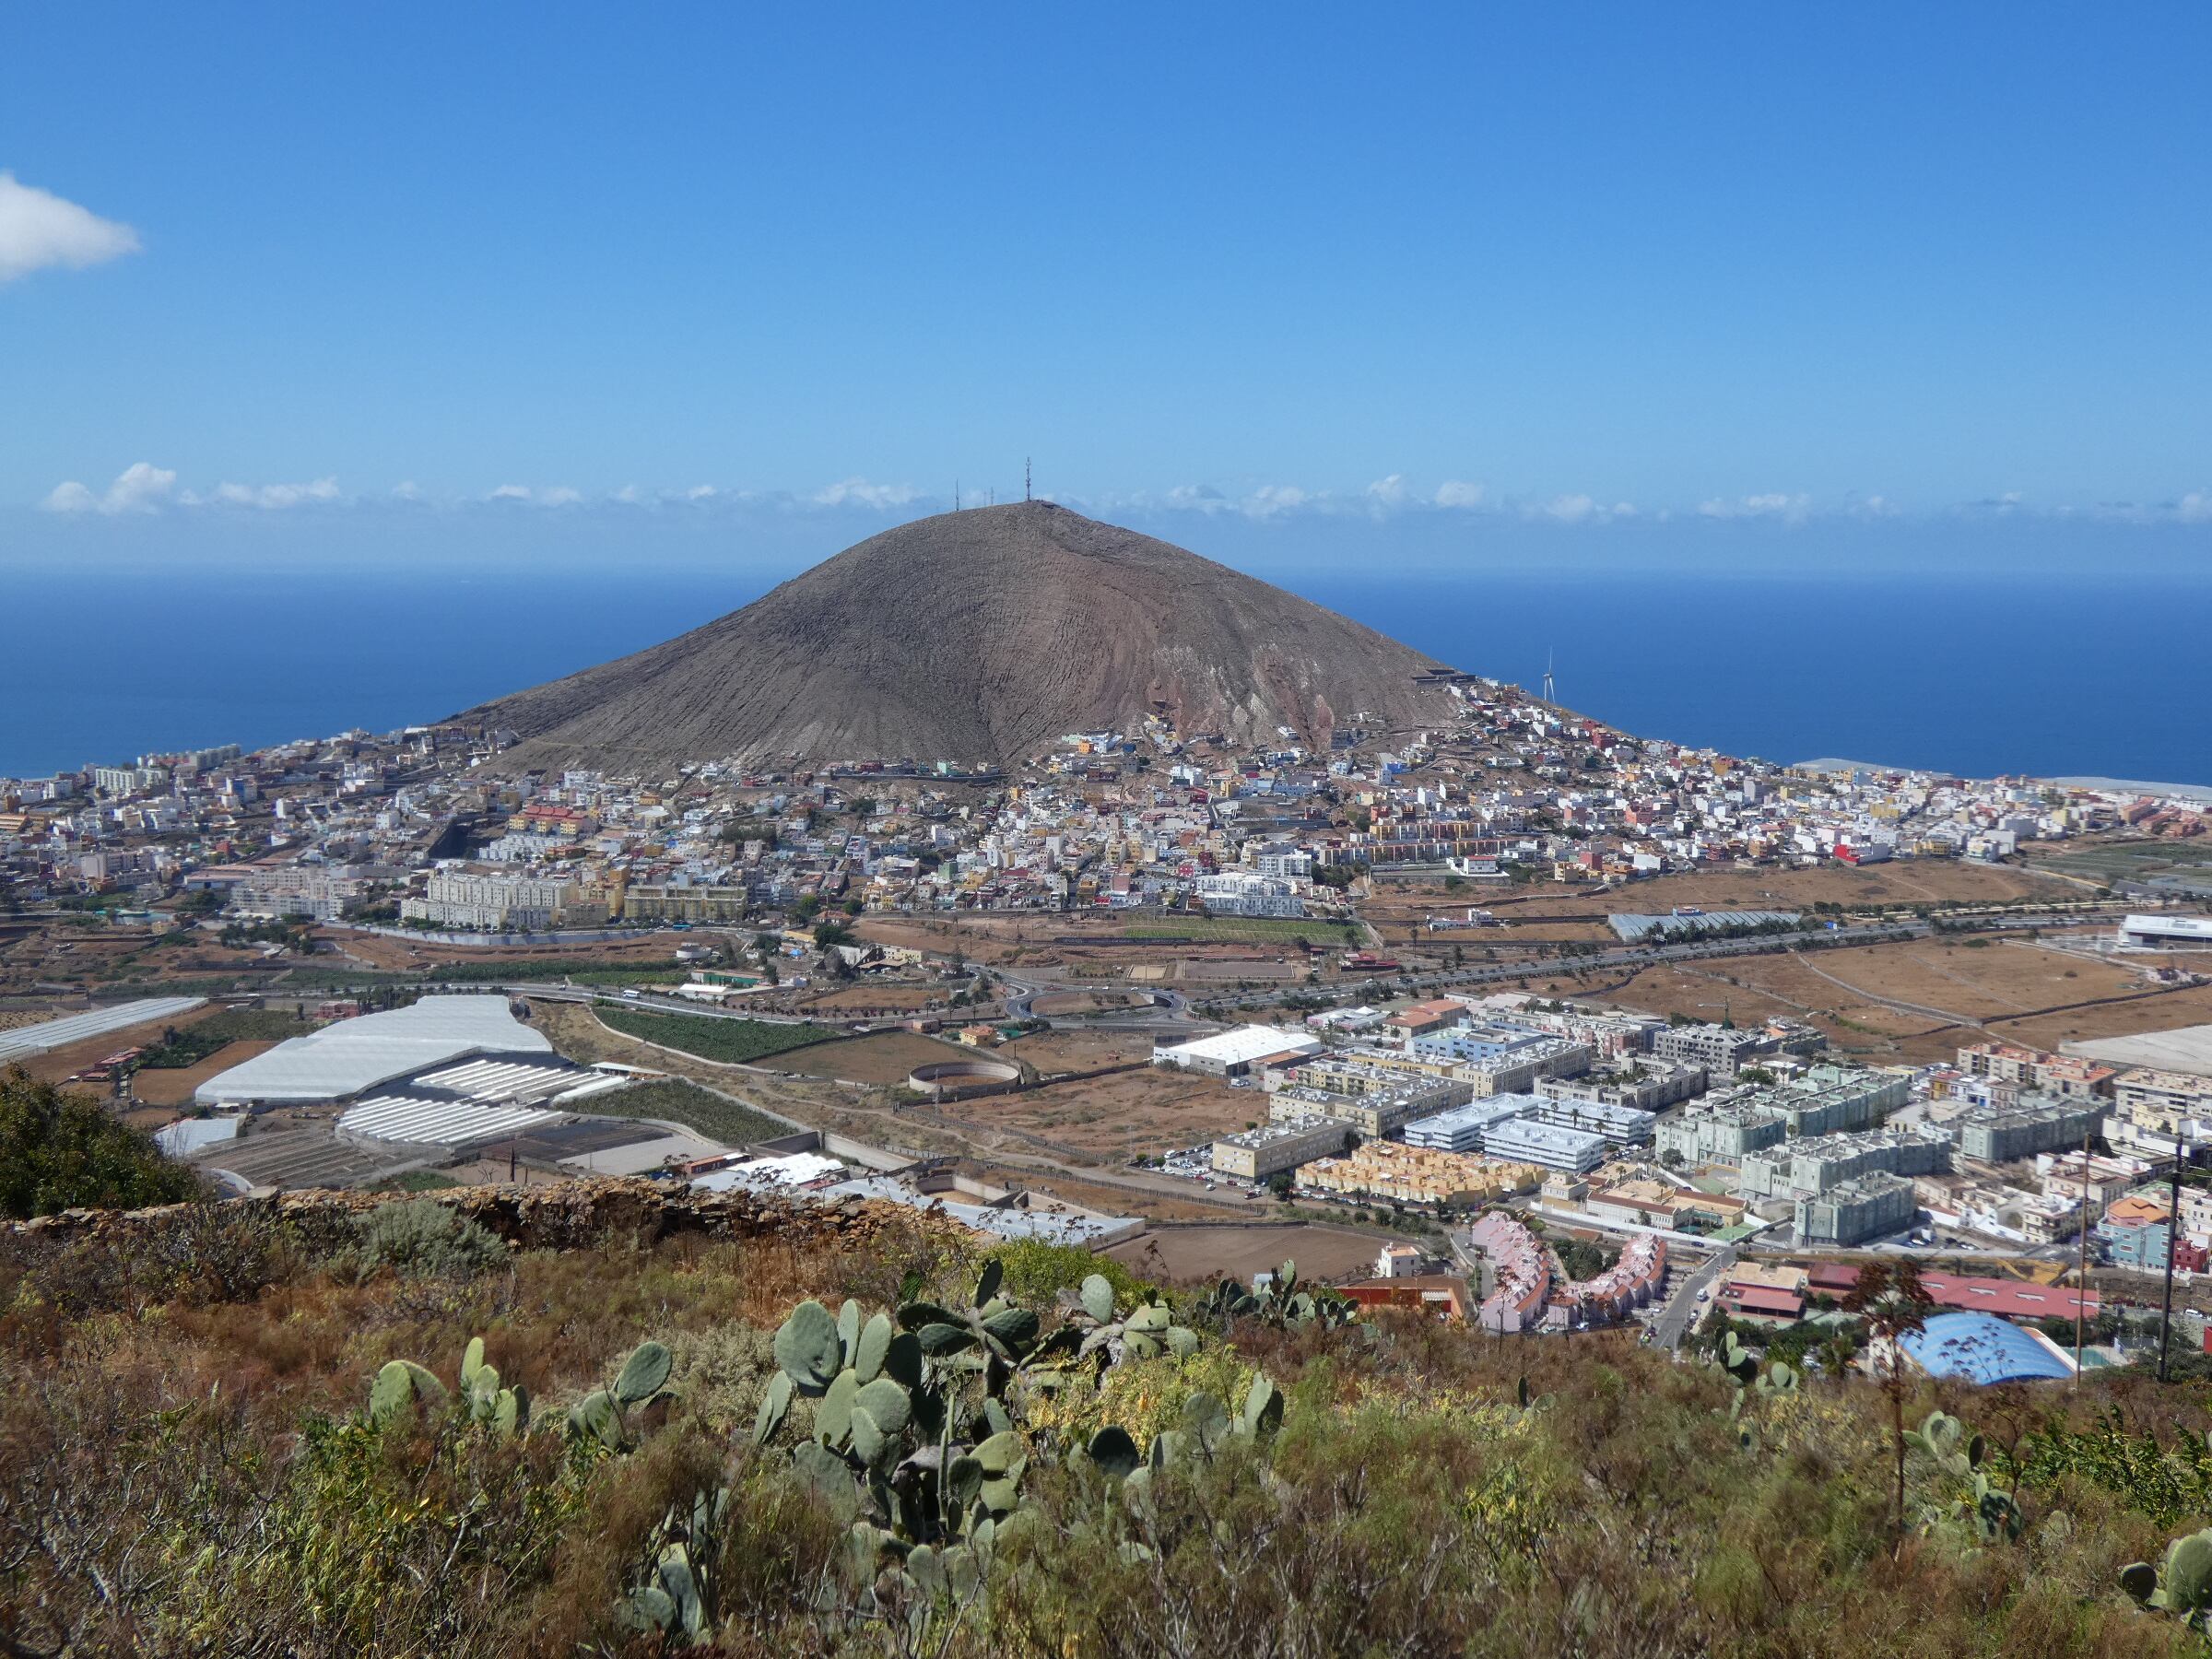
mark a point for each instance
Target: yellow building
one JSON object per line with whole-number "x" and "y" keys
{"x": 1415, "y": 1175}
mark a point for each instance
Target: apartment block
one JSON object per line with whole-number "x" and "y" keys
{"x": 1797, "y": 1168}
{"x": 2002, "y": 1134}
{"x": 1857, "y": 1210}
{"x": 1273, "y": 1148}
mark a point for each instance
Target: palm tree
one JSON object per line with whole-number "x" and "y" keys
{"x": 1895, "y": 1305}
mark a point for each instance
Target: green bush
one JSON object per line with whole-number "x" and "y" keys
{"x": 420, "y": 1239}
{"x": 63, "y": 1151}
{"x": 1036, "y": 1272}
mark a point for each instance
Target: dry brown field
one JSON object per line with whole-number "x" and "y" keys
{"x": 173, "y": 1086}
{"x": 1192, "y": 1254}
{"x": 852, "y": 1000}
{"x": 1110, "y": 1119}
{"x": 1055, "y": 1004}
{"x": 1054, "y": 1052}
{"x": 1098, "y": 1195}
{"x": 2192, "y": 1006}
{"x": 1904, "y": 881}
{"x": 1972, "y": 992}
{"x": 884, "y": 1058}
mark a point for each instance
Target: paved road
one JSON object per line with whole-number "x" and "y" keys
{"x": 1675, "y": 1322}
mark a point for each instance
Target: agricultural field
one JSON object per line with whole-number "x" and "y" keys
{"x": 725, "y": 1041}
{"x": 672, "y": 1100}
{"x": 195, "y": 1038}
{"x": 173, "y": 1086}
{"x": 2132, "y": 860}
{"x": 884, "y": 1057}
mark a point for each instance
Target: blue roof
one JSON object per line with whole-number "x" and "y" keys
{"x": 1983, "y": 1348}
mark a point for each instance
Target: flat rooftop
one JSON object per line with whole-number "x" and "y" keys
{"x": 26, "y": 1041}
{"x": 353, "y": 1055}
{"x": 2181, "y": 1049}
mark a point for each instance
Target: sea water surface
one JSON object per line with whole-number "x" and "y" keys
{"x": 2053, "y": 676}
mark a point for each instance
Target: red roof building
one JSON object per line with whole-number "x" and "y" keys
{"x": 1763, "y": 1301}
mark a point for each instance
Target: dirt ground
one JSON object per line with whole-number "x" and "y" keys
{"x": 885, "y": 1058}
{"x": 1048, "y": 939}
{"x": 1110, "y": 1119}
{"x": 1189, "y": 1254}
{"x": 174, "y": 1087}
{"x": 1059, "y": 1003}
{"x": 2123, "y": 1020}
{"x": 397, "y": 955}
{"x": 1848, "y": 993}
{"x": 1054, "y": 1052}
{"x": 863, "y": 1000}
{"x": 1109, "y": 1200}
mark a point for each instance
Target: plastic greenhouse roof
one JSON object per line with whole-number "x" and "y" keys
{"x": 344, "y": 1059}
{"x": 1982, "y": 1347}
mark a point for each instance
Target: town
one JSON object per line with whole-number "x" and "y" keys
{"x": 1407, "y": 987}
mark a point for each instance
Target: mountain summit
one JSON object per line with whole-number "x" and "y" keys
{"x": 978, "y": 636}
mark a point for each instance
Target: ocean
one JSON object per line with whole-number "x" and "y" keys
{"x": 2049, "y": 675}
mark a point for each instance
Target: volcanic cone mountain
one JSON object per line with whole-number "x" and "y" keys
{"x": 978, "y": 636}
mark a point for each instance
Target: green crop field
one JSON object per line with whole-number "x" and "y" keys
{"x": 672, "y": 1100}
{"x": 731, "y": 1041}
{"x": 194, "y": 1042}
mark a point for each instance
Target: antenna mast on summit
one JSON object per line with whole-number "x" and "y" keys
{"x": 955, "y": 495}
{"x": 1550, "y": 690}
{"x": 1025, "y": 477}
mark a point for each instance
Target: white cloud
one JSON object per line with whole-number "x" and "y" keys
{"x": 859, "y": 492}
{"x": 71, "y": 497}
{"x": 139, "y": 488}
{"x": 273, "y": 497}
{"x": 1579, "y": 510}
{"x": 511, "y": 492}
{"x": 560, "y": 495}
{"x": 39, "y": 228}
{"x": 1388, "y": 494}
{"x": 2196, "y": 508}
{"x": 1272, "y": 501}
{"x": 1454, "y": 493}
{"x": 1198, "y": 497}
{"x": 1793, "y": 509}
{"x": 701, "y": 492}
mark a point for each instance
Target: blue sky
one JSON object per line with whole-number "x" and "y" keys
{"x": 1746, "y": 280}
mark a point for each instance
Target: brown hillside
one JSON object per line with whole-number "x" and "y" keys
{"x": 978, "y": 636}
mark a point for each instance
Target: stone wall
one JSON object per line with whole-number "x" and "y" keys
{"x": 566, "y": 1215}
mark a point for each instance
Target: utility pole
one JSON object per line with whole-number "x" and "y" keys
{"x": 2081, "y": 1277}
{"x": 2173, "y": 1239}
